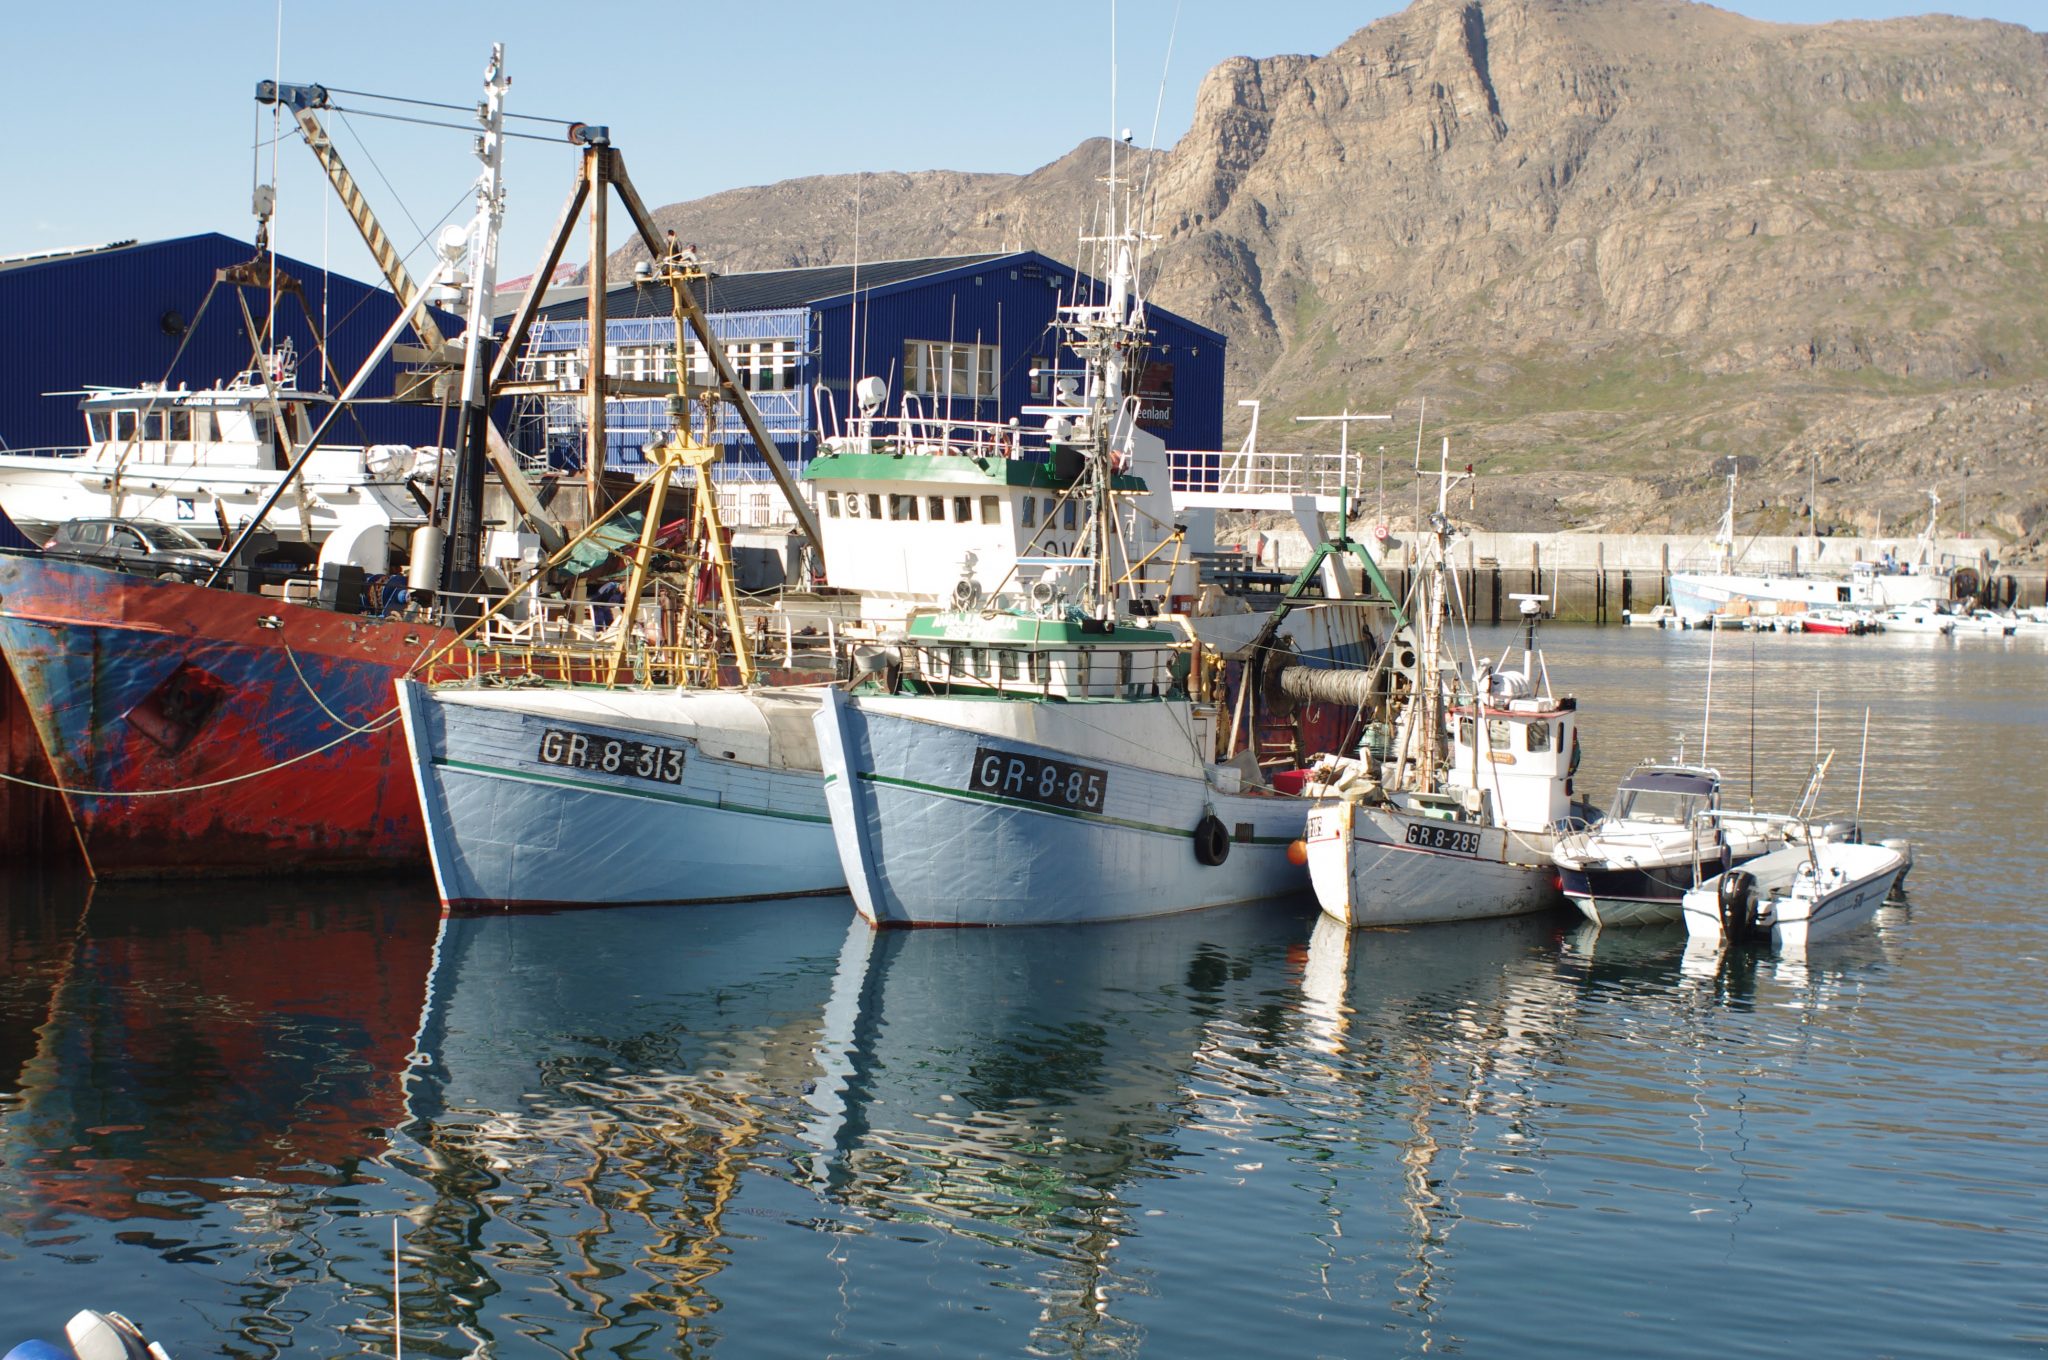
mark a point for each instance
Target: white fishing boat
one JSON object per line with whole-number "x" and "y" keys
{"x": 1795, "y": 896}
{"x": 1459, "y": 821}
{"x": 1663, "y": 832}
{"x": 1028, "y": 758}
{"x": 208, "y": 460}
{"x": 655, "y": 769}
{"x": 1877, "y": 586}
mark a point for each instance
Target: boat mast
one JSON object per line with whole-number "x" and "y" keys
{"x": 465, "y": 538}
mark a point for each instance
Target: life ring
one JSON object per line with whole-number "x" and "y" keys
{"x": 1212, "y": 840}
{"x": 1379, "y": 531}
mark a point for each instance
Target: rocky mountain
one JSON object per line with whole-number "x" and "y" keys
{"x": 1611, "y": 243}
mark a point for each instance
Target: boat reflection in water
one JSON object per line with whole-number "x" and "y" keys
{"x": 184, "y": 1082}
{"x": 717, "y": 1099}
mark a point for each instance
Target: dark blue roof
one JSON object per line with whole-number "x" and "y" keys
{"x": 768, "y": 290}
{"x": 1671, "y": 781}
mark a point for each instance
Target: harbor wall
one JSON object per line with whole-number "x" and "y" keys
{"x": 1594, "y": 578}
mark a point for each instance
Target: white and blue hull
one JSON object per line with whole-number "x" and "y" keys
{"x": 1807, "y": 893}
{"x": 930, "y": 833}
{"x": 1695, "y": 595}
{"x": 521, "y": 812}
{"x": 1386, "y": 866}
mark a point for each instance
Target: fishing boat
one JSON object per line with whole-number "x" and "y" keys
{"x": 1460, "y": 820}
{"x": 651, "y": 780}
{"x": 1796, "y": 895}
{"x": 1662, "y": 834}
{"x": 1041, "y": 755}
{"x": 192, "y": 730}
{"x": 1919, "y": 580}
{"x": 206, "y": 460}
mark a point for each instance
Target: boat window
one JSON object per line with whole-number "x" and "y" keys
{"x": 1072, "y": 506}
{"x": 1500, "y": 734}
{"x": 1657, "y": 805}
{"x": 902, "y": 507}
{"x": 991, "y": 510}
{"x": 874, "y": 505}
{"x": 181, "y": 425}
{"x": 1467, "y": 731}
{"x": 1539, "y": 736}
{"x": 124, "y": 424}
{"x": 963, "y": 509}
{"x": 852, "y": 506}
{"x": 831, "y": 505}
{"x": 152, "y": 424}
{"x": 1123, "y": 671}
{"x": 1011, "y": 663}
{"x": 935, "y": 509}
{"x": 1041, "y": 668}
{"x": 956, "y": 662}
{"x": 97, "y": 426}
{"x": 1028, "y": 516}
{"x": 203, "y": 430}
{"x": 259, "y": 424}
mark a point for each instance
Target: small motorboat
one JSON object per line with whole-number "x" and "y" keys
{"x": 1918, "y": 618}
{"x": 1985, "y": 623}
{"x": 1846, "y": 622}
{"x": 1793, "y": 897}
{"x": 1662, "y": 834}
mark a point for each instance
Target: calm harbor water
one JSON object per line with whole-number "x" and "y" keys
{"x": 766, "y": 1130}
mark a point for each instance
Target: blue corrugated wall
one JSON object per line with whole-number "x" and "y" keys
{"x": 99, "y": 320}
{"x": 1010, "y": 302}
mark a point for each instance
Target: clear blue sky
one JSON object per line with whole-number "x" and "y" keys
{"x": 136, "y": 118}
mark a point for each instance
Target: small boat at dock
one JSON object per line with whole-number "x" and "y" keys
{"x": 1795, "y": 896}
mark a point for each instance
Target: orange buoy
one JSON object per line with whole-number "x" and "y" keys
{"x": 1297, "y": 852}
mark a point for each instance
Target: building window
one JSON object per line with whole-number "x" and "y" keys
{"x": 1041, "y": 377}
{"x": 963, "y": 509}
{"x": 934, "y": 368}
{"x": 991, "y": 510}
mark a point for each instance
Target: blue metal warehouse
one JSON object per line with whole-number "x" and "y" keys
{"x": 960, "y": 334}
{"x": 113, "y": 316}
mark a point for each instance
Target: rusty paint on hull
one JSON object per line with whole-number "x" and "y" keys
{"x": 262, "y": 735}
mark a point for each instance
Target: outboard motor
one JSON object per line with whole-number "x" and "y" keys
{"x": 1737, "y": 900}
{"x": 94, "y": 1336}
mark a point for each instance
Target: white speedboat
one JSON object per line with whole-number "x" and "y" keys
{"x": 1795, "y": 896}
{"x": 1918, "y": 618}
{"x": 1460, "y": 820}
{"x": 1661, "y": 835}
{"x": 1985, "y": 623}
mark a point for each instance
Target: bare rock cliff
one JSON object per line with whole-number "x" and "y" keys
{"x": 1611, "y": 242}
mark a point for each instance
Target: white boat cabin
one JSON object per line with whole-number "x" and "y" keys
{"x": 1513, "y": 752}
{"x": 902, "y": 502}
{"x": 1017, "y": 655}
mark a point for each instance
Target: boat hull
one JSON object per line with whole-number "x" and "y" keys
{"x": 1632, "y": 896}
{"x": 1367, "y": 872}
{"x": 205, "y": 731}
{"x": 508, "y": 827}
{"x": 1853, "y": 881}
{"x": 921, "y": 845}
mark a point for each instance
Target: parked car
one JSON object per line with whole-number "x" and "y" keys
{"x": 161, "y": 550}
